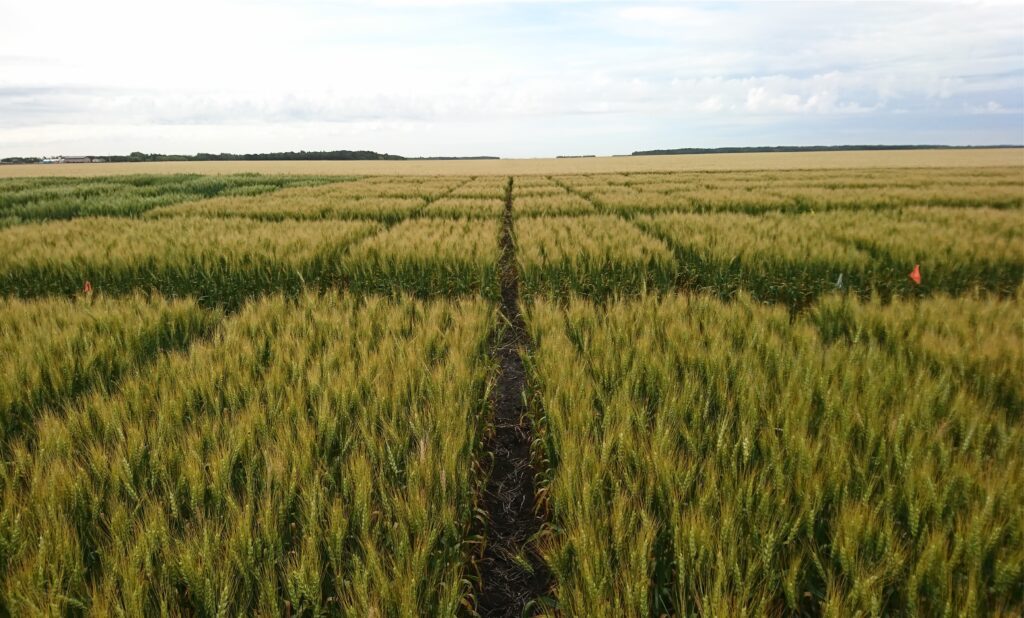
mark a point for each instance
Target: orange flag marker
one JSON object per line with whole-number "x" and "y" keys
{"x": 915, "y": 275}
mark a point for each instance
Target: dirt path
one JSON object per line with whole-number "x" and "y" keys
{"x": 511, "y": 575}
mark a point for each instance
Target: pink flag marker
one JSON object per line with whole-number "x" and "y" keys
{"x": 915, "y": 275}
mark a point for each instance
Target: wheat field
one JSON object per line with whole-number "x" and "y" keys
{"x": 950, "y": 158}
{"x": 734, "y": 384}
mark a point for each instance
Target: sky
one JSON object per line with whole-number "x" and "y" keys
{"x": 510, "y": 79}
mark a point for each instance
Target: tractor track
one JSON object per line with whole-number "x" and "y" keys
{"x": 511, "y": 574}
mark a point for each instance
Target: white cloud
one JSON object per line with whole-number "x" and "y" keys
{"x": 278, "y": 68}
{"x": 711, "y": 104}
{"x": 994, "y": 107}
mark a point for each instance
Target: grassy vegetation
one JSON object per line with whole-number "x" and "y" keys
{"x": 388, "y": 200}
{"x": 466, "y": 207}
{"x": 64, "y": 198}
{"x": 486, "y": 187}
{"x": 307, "y": 203}
{"x": 427, "y": 257}
{"x": 223, "y": 262}
{"x": 743, "y": 406}
{"x": 426, "y": 187}
{"x": 562, "y": 203}
{"x": 53, "y": 350}
{"x": 595, "y": 256}
{"x": 534, "y": 186}
{"x": 900, "y": 160}
{"x": 974, "y": 338}
{"x": 800, "y": 191}
{"x": 269, "y": 471}
{"x": 795, "y": 258}
{"x": 719, "y": 459}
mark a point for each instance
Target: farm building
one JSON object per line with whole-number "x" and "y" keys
{"x": 78, "y": 160}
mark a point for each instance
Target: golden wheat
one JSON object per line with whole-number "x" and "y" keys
{"x": 314, "y": 458}
{"x": 596, "y": 255}
{"x": 712, "y": 458}
{"x": 222, "y": 261}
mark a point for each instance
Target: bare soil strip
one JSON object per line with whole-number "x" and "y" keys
{"x": 511, "y": 575}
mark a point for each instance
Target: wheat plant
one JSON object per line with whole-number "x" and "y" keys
{"x": 711, "y": 458}
{"x": 316, "y": 457}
